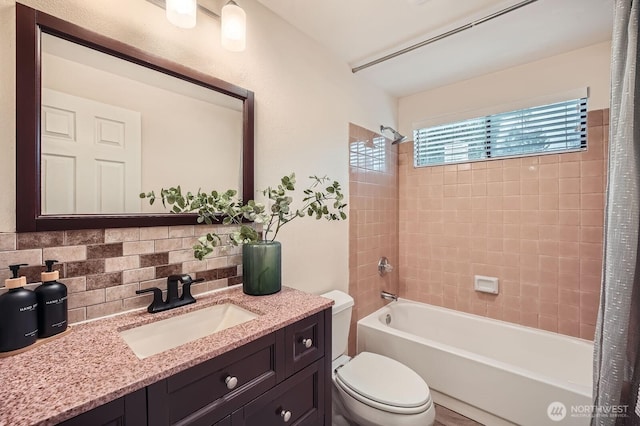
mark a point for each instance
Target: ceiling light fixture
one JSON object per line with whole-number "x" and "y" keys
{"x": 233, "y": 20}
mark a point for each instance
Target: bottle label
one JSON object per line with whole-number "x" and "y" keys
{"x": 55, "y": 301}
{"x": 28, "y": 308}
{"x": 59, "y": 324}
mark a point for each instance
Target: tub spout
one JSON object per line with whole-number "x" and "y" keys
{"x": 388, "y": 296}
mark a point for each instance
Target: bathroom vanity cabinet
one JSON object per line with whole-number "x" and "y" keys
{"x": 280, "y": 378}
{"x": 128, "y": 410}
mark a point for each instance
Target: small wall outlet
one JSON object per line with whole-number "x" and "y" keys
{"x": 485, "y": 284}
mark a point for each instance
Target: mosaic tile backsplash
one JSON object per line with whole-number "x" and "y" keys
{"x": 103, "y": 268}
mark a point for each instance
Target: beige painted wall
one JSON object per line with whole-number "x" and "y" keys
{"x": 509, "y": 88}
{"x": 305, "y": 99}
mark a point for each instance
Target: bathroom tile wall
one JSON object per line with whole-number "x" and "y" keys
{"x": 103, "y": 268}
{"x": 536, "y": 223}
{"x": 373, "y": 220}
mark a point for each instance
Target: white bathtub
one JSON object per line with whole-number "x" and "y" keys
{"x": 489, "y": 370}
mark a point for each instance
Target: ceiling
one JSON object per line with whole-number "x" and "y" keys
{"x": 359, "y": 31}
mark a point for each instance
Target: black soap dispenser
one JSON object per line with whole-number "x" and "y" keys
{"x": 18, "y": 314}
{"x": 52, "y": 303}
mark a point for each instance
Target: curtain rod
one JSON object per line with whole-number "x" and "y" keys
{"x": 443, "y": 35}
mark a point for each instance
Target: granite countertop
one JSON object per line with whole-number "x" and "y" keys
{"x": 92, "y": 365}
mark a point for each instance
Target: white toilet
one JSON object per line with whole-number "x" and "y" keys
{"x": 371, "y": 389}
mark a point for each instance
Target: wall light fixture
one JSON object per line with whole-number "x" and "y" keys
{"x": 233, "y": 20}
{"x": 234, "y": 27}
{"x": 182, "y": 13}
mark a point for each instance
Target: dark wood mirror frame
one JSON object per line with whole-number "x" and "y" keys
{"x": 29, "y": 25}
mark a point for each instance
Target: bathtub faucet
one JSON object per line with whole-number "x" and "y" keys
{"x": 388, "y": 296}
{"x": 384, "y": 266}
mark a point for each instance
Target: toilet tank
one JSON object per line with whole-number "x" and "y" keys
{"x": 341, "y": 320}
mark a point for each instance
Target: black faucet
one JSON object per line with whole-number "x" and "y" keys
{"x": 173, "y": 301}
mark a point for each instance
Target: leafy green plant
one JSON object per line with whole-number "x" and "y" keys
{"x": 322, "y": 199}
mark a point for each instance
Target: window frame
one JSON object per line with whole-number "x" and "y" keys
{"x": 421, "y": 148}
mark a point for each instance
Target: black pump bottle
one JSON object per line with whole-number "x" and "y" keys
{"x": 18, "y": 314}
{"x": 52, "y": 303}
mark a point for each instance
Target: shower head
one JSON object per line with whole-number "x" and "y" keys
{"x": 397, "y": 137}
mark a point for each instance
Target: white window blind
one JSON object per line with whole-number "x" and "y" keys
{"x": 553, "y": 128}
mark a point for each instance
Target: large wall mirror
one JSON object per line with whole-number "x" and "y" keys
{"x": 99, "y": 121}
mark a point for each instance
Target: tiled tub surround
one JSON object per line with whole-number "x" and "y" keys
{"x": 536, "y": 223}
{"x": 96, "y": 363}
{"x": 373, "y": 220}
{"x": 103, "y": 268}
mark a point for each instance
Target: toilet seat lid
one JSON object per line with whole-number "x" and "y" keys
{"x": 384, "y": 380}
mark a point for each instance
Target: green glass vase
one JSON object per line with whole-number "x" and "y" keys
{"x": 261, "y": 268}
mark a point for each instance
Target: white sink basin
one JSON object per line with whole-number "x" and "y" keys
{"x": 159, "y": 336}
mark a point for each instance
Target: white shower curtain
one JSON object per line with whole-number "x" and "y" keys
{"x": 616, "y": 362}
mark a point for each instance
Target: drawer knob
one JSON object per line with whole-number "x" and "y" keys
{"x": 307, "y": 343}
{"x": 231, "y": 382}
{"x": 285, "y": 414}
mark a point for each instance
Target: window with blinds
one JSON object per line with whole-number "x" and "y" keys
{"x": 546, "y": 129}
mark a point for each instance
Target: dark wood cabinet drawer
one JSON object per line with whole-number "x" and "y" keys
{"x": 203, "y": 394}
{"x": 224, "y": 422}
{"x": 304, "y": 342}
{"x": 130, "y": 410}
{"x": 298, "y": 400}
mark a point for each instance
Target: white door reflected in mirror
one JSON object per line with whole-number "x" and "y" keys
{"x": 90, "y": 156}
{"x": 189, "y": 135}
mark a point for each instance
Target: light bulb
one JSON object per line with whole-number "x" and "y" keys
{"x": 182, "y": 13}
{"x": 234, "y": 27}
